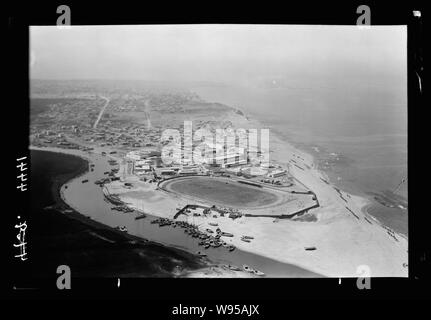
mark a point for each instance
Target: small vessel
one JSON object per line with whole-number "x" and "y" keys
{"x": 258, "y": 273}
{"x": 247, "y": 268}
{"x": 210, "y": 231}
{"x": 201, "y": 254}
{"x": 310, "y": 248}
{"x": 141, "y": 216}
{"x": 122, "y": 228}
{"x": 84, "y": 181}
{"x": 207, "y": 246}
{"x": 226, "y": 234}
{"x": 245, "y": 240}
{"x": 234, "y": 268}
{"x": 214, "y": 224}
{"x": 247, "y": 237}
{"x": 231, "y": 248}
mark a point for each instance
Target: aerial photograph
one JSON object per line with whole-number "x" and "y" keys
{"x": 219, "y": 151}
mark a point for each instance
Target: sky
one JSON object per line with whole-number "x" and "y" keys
{"x": 224, "y": 53}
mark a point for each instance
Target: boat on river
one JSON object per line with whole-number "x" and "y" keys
{"x": 246, "y": 268}
{"x": 258, "y": 273}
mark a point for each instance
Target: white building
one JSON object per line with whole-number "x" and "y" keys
{"x": 137, "y": 155}
{"x": 130, "y": 167}
{"x": 277, "y": 173}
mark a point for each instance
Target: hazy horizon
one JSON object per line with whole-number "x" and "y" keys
{"x": 218, "y": 53}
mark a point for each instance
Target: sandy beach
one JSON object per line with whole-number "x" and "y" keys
{"x": 210, "y": 270}
{"x": 344, "y": 235}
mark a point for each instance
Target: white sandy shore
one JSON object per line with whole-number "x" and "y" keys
{"x": 343, "y": 242}
{"x": 217, "y": 272}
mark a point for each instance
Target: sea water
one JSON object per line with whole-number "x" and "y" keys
{"x": 356, "y": 131}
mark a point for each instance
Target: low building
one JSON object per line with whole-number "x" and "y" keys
{"x": 168, "y": 172}
{"x": 188, "y": 171}
{"x": 130, "y": 167}
{"x": 277, "y": 173}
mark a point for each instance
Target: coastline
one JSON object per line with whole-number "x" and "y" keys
{"x": 208, "y": 268}
{"x": 105, "y": 233}
{"x": 346, "y": 237}
{"x": 363, "y": 202}
{"x": 395, "y": 219}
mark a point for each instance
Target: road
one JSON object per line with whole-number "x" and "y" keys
{"x": 101, "y": 112}
{"x": 147, "y": 113}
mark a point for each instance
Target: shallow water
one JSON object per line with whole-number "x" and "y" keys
{"x": 356, "y": 133}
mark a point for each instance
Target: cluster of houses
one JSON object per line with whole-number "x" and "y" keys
{"x": 144, "y": 162}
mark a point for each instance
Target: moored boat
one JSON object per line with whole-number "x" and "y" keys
{"x": 199, "y": 253}
{"x": 234, "y": 268}
{"x": 258, "y": 273}
{"x": 247, "y": 268}
{"x": 248, "y": 237}
{"x": 310, "y": 248}
{"x": 226, "y": 234}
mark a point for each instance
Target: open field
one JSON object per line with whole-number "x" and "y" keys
{"x": 223, "y": 191}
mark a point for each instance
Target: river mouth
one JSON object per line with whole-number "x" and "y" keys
{"x": 222, "y": 191}
{"x": 87, "y": 199}
{"x": 103, "y": 251}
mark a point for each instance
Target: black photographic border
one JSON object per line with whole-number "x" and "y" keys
{"x": 16, "y": 135}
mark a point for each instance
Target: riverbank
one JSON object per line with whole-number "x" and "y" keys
{"x": 64, "y": 236}
{"x": 91, "y": 209}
